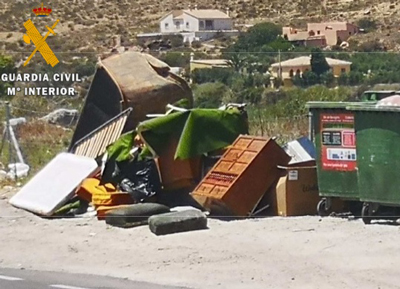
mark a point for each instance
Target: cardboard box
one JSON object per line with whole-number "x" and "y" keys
{"x": 297, "y": 192}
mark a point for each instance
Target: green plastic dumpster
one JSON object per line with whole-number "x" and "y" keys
{"x": 378, "y": 151}
{"x": 333, "y": 129}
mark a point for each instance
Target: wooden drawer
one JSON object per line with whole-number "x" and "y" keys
{"x": 242, "y": 143}
{"x": 247, "y": 157}
{"x": 232, "y": 154}
{"x": 205, "y": 188}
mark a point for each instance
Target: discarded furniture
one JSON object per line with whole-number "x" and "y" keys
{"x": 55, "y": 184}
{"x": 130, "y": 79}
{"x": 179, "y": 139}
{"x": 242, "y": 176}
{"x": 96, "y": 142}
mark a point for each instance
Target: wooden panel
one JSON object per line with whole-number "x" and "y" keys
{"x": 244, "y": 173}
{"x": 247, "y": 157}
{"x": 242, "y": 143}
{"x": 205, "y": 188}
{"x": 220, "y": 178}
{"x": 257, "y": 145}
{"x": 223, "y": 166}
{"x": 237, "y": 168}
{"x": 219, "y": 192}
{"x": 232, "y": 154}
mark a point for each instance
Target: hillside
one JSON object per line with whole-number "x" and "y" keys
{"x": 89, "y": 25}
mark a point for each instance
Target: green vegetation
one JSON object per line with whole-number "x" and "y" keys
{"x": 367, "y": 24}
{"x": 6, "y": 66}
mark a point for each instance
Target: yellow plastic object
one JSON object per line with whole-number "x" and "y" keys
{"x": 102, "y": 195}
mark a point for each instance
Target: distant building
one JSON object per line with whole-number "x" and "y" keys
{"x": 321, "y": 34}
{"x": 197, "y": 24}
{"x": 302, "y": 64}
{"x": 194, "y": 20}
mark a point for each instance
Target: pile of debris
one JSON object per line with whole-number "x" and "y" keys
{"x": 172, "y": 170}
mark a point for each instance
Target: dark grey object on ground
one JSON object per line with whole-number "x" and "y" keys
{"x": 134, "y": 215}
{"x": 176, "y": 222}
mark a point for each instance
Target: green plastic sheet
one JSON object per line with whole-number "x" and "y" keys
{"x": 199, "y": 131}
{"x": 120, "y": 149}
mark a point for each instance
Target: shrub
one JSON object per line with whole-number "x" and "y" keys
{"x": 209, "y": 95}
{"x": 217, "y": 74}
{"x": 196, "y": 44}
{"x": 367, "y": 24}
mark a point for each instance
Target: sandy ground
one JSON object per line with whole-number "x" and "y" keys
{"x": 301, "y": 252}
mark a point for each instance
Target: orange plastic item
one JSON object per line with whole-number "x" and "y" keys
{"x": 102, "y": 195}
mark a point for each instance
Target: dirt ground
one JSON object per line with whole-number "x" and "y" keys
{"x": 301, "y": 252}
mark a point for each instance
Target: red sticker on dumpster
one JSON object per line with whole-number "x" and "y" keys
{"x": 338, "y": 142}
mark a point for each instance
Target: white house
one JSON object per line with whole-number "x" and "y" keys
{"x": 194, "y": 20}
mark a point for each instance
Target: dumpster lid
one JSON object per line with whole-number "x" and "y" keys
{"x": 374, "y": 108}
{"x": 331, "y": 104}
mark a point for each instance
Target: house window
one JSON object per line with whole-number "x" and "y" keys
{"x": 177, "y": 24}
{"x": 318, "y": 32}
{"x": 343, "y": 70}
{"x": 166, "y": 25}
{"x": 187, "y": 24}
{"x": 201, "y": 24}
{"x": 350, "y": 33}
{"x": 291, "y": 73}
{"x": 209, "y": 25}
{"x": 298, "y": 72}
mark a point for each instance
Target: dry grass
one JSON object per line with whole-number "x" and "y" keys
{"x": 285, "y": 129}
{"x": 40, "y": 142}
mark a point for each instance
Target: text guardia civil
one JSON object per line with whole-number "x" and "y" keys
{"x": 41, "y": 79}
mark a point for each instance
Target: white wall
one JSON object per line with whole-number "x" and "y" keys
{"x": 167, "y": 20}
{"x": 219, "y": 24}
{"x": 193, "y": 23}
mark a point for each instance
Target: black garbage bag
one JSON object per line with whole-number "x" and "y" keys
{"x": 144, "y": 183}
{"x": 138, "y": 178}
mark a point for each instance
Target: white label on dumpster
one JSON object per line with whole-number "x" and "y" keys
{"x": 293, "y": 175}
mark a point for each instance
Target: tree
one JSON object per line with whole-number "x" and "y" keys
{"x": 327, "y": 78}
{"x": 216, "y": 74}
{"x": 236, "y": 60}
{"x": 175, "y": 59}
{"x": 343, "y": 79}
{"x": 310, "y": 78}
{"x": 257, "y": 36}
{"x": 355, "y": 78}
{"x": 319, "y": 65}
